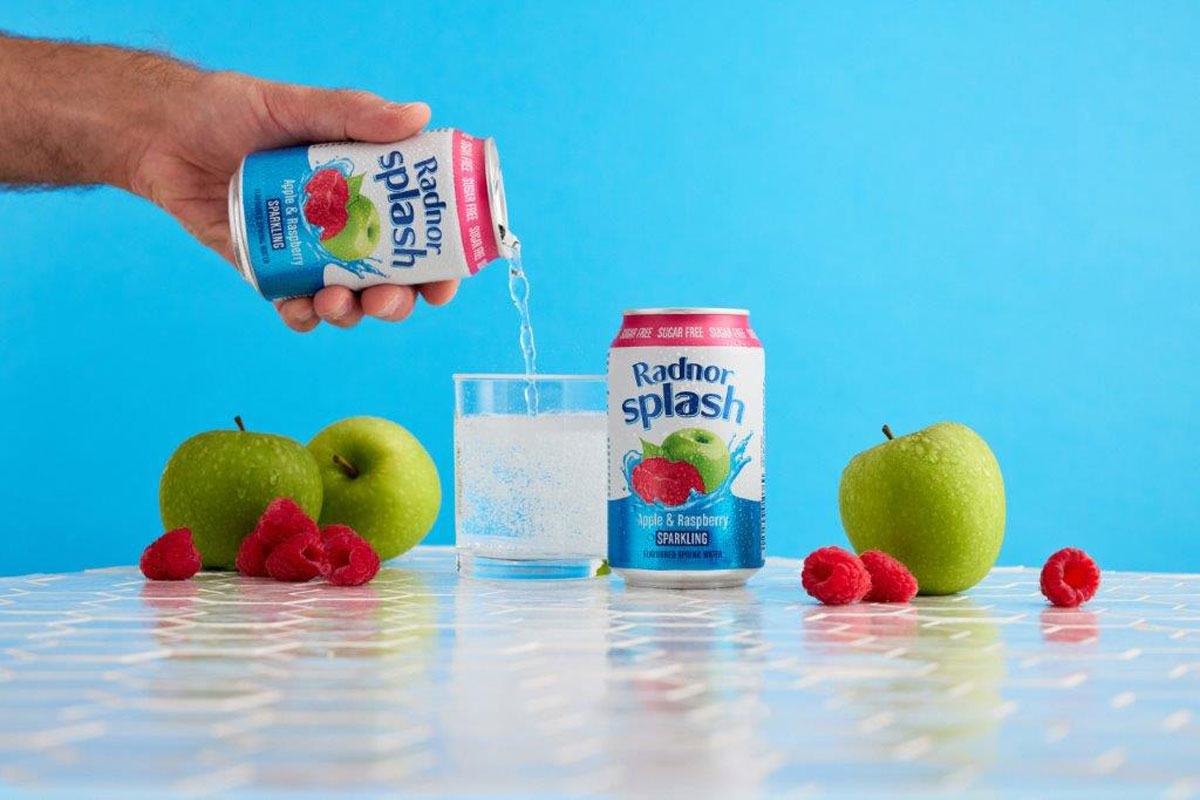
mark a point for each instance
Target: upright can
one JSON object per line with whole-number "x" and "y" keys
{"x": 353, "y": 214}
{"x": 686, "y": 440}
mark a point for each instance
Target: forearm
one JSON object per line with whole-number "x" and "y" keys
{"x": 80, "y": 114}
{"x": 73, "y": 114}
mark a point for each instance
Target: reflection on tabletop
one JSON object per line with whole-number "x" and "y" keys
{"x": 423, "y": 682}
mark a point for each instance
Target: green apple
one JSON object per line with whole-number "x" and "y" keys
{"x": 701, "y": 448}
{"x": 933, "y": 499}
{"x": 379, "y": 480}
{"x": 361, "y": 234}
{"x": 219, "y": 483}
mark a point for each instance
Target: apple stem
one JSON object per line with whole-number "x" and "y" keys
{"x": 241, "y": 427}
{"x": 346, "y": 466}
{"x": 887, "y": 431}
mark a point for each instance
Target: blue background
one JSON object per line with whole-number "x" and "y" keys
{"x": 985, "y": 212}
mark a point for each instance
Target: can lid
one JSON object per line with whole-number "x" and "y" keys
{"x": 237, "y": 228}
{"x": 506, "y": 242}
{"x": 737, "y": 312}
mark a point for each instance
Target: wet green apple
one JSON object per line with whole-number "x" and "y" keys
{"x": 704, "y": 450}
{"x": 934, "y": 499}
{"x": 379, "y": 480}
{"x": 361, "y": 233}
{"x": 219, "y": 483}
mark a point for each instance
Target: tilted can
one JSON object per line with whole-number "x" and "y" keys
{"x": 352, "y": 214}
{"x": 686, "y": 441}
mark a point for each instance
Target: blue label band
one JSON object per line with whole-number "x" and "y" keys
{"x": 725, "y": 535}
{"x": 284, "y": 250}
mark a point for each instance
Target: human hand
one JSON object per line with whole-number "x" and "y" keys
{"x": 211, "y": 120}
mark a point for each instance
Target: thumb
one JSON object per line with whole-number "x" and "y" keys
{"x": 305, "y": 114}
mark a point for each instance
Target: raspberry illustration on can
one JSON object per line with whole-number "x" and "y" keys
{"x": 327, "y": 201}
{"x": 353, "y": 214}
{"x": 686, "y": 445}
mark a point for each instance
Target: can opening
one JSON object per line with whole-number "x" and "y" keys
{"x": 506, "y": 242}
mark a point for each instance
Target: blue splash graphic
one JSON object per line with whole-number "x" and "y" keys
{"x": 697, "y": 501}
{"x": 731, "y": 526}
{"x": 360, "y": 267}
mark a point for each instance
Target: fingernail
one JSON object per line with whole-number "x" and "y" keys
{"x": 340, "y": 310}
{"x": 404, "y": 108}
{"x": 390, "y": 308}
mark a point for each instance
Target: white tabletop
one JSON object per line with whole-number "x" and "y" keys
{"x": 426, "y": 684}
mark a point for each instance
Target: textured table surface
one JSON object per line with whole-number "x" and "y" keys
{"x": 423, "y": 683}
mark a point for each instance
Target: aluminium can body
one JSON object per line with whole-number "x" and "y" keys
{"x": 354, "y": 214}
{"x": 686, "y": 441}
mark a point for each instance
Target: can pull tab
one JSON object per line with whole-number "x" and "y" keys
{"x": 510, "y": 245}
{"x": 506, "y": 242}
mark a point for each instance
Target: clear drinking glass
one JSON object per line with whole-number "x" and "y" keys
{"x": 530, "y": 490}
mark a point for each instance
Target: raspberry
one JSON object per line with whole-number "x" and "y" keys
{"x": 891, "y": 582}
{"x": 281, "y": 520}
{"x": 835, "y": 577}
{"x": 325, "y": 211}
{"x": 350, "y": 559}
{"x": 171, "y": 557}
{"x": 666, "y": 481}
{"x": 329, "y": 531}
{"x": 1070, "y": 578}
{"x": 327, "y": 192}
{"x": 330, "y": 181}
{"x": 252, "y": 557}
{"x": 297, "y": 559}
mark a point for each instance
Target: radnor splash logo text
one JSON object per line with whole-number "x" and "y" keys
{"x": 407, "y": 195}
{"x": 663, "y": 400}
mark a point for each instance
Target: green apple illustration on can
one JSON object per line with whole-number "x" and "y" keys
{"x": 349, "y": 222}
{"x": 933, "y": 499}
{"x": 704, "y": 450}
{"x": 688, "y": 460}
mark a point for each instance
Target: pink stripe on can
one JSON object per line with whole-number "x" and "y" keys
{"x": 474, "y": 210}
{"x": 686, "y": 330}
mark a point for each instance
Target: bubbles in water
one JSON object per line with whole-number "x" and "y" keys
{"x": 532, "y": 486}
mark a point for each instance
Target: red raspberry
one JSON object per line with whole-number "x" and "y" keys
{"x": 330, "y": 181}
{"x": 252, "y": 557}
{"x": 334, "y": 228}
{"x": 282, "y": 519}
{"x": 835, "y": 577}
{"x": 329, "y": 531}
{"x": 298, "y": 559}
{"x": 171, "y": 557}
{"x": 351, "y": 561}
{"x": 325, "y": 207}
{"x": 1070, "y": 578}
{"x": 327, "y": 213}
{"x": 891, "y": 582}
{"x": 667, "y": 481}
